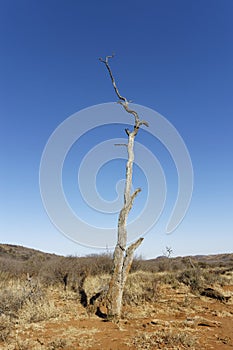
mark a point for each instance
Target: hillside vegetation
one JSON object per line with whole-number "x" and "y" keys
{"x": 55, "y": 302}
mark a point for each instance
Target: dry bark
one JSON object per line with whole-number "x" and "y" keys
{"x": 123, "y": 256}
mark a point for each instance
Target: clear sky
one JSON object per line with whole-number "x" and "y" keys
{"x": 173, "y": 56}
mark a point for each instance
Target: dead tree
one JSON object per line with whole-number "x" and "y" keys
{"x": 123, "y": 256}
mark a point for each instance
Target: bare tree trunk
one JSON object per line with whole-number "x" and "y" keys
{"x": 123, "y": 257}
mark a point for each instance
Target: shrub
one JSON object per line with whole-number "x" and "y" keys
{"x": 140, "y": 287}
{"x": 192, "y": 278}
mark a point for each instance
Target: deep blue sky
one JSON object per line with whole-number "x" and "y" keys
{"x": 172, "y": 56}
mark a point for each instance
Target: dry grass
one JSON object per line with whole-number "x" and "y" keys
{"x": 44, "y": 307}
{"x": 43, "y": 310}
{"x": 22, "y": 303}
{"x": 96, "y": 284}
{"x": 28, "y": 344}
{"x": 140, "y": 287}
{"x": 5, "y": 327}
{"x": 165, "y": 339}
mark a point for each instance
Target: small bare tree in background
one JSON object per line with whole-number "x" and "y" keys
{"x": 168, "y": 252}
{"x": 123, "y": 256}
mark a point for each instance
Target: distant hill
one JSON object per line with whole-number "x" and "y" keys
{"x": 16, "y": 252}
{"x": 213, "y": 259}
{"x": 163, "y": 263}
{"x": 20, "y": 253}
